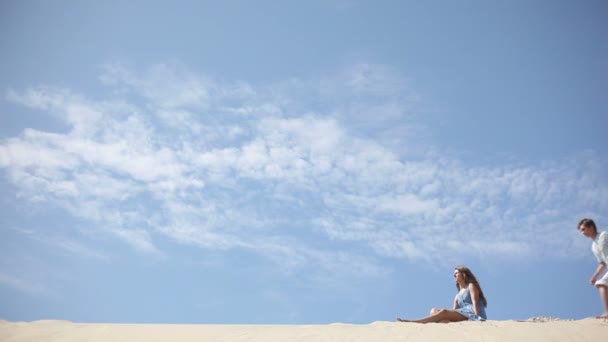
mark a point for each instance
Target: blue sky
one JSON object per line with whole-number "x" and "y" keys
{"x": 289, "y": 162}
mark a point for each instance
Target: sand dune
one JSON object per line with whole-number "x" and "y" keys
{"x": 538, "y": 329}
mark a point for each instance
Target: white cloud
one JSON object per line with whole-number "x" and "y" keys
{"x": 238, "y": 166}
{"x": 169, "y": 86}
{"x": 409, "y": 204}
{"x": 138, "y": 238}
{"x": 69, "y": 108}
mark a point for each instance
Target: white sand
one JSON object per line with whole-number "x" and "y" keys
{"x": 538, "y": 329}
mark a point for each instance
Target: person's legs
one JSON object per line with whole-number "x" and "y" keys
{"x": 434, "y": 311}
{"x": 604, "y": 295}
{"x": 442, "y": 316}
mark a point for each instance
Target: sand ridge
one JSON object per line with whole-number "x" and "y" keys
{"x": 535, "y": 329}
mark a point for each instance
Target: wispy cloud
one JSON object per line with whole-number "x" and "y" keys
{"x": 63, "y": 242}
{"x": 274, "y": 169}
{"x": 23, "y": 285}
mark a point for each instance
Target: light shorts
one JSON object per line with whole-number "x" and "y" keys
{"x": 603, "y": 281}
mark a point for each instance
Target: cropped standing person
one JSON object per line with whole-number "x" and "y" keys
{"x": 599, "y": 247}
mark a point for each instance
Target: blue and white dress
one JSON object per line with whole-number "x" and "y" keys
{"x": 465, "y": 307}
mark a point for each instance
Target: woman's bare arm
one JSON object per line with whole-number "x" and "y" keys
{"x": 474, "y": 290}
{"x": 455, "y": 302}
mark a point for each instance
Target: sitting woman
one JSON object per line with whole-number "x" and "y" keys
{"x": 469, "y": 304}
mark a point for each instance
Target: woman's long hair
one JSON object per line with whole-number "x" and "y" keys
{"x": 469, "y": 278}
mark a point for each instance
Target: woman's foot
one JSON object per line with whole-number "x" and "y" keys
{"x": 402, "y": 320}
{"x": 604, "y": 316}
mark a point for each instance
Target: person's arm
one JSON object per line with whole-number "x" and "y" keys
{"x": 475, "y": 298}
{"x": 600, "y": 268}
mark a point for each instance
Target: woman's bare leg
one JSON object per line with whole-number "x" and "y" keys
{"x": 434, "y": 311}
{"x": 604, "y": 294}
{"x": 442, "y": 316}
